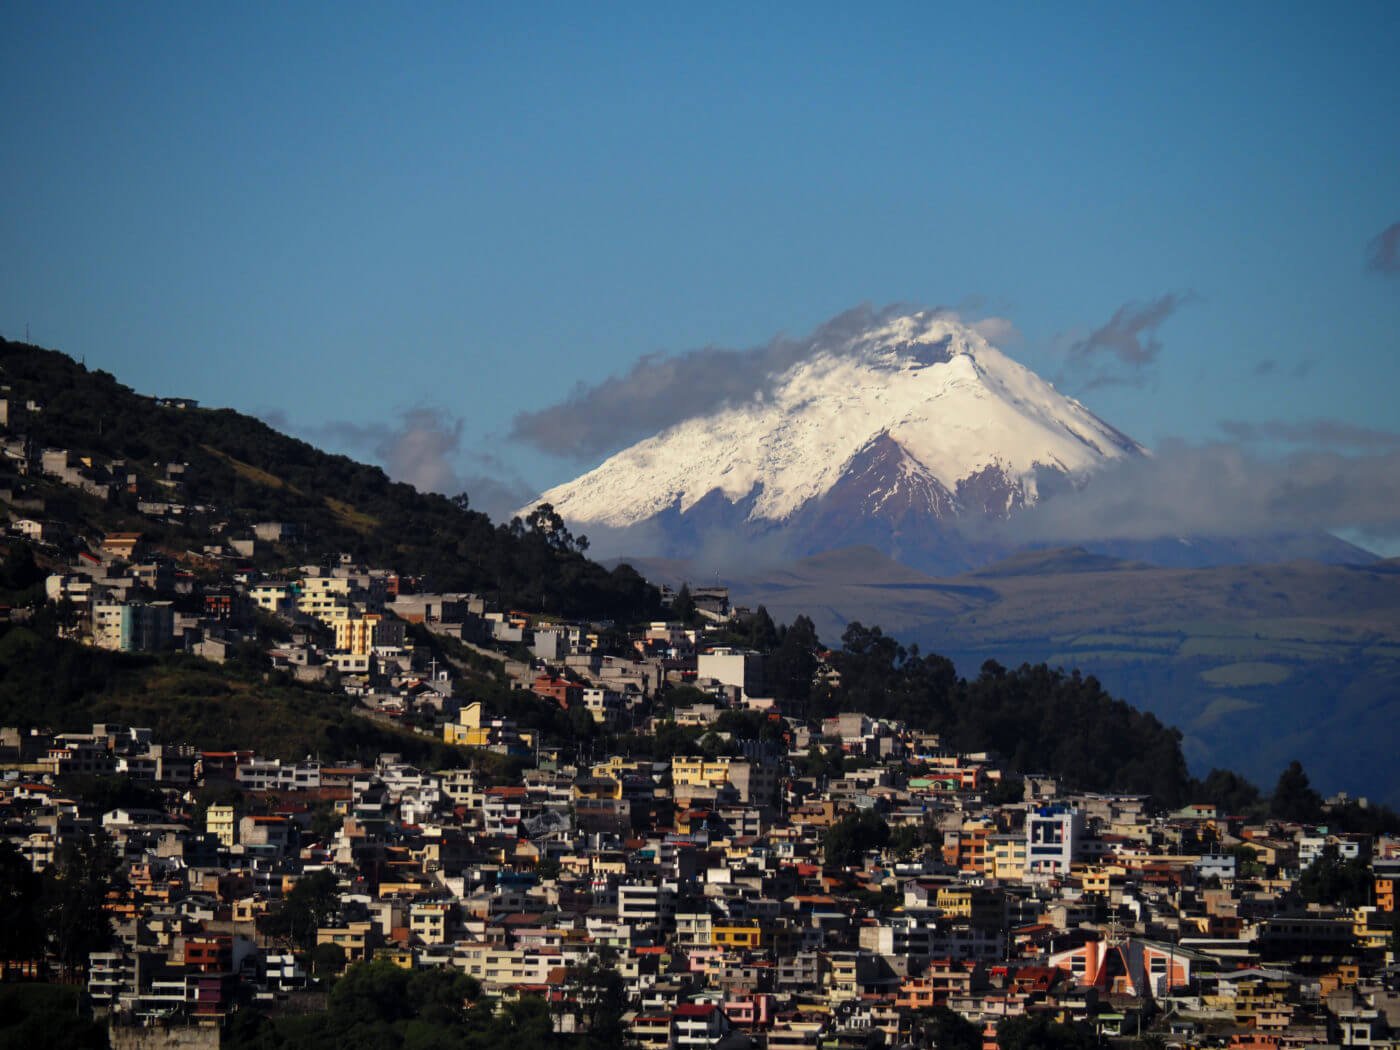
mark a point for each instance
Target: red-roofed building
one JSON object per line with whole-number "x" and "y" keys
{"x": 697, "y": 1026}
{"x": 563, "y": 692}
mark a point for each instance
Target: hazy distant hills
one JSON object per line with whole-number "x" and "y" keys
{"x": 1256, "y": 664}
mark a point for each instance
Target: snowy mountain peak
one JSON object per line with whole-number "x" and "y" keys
{"x": 915, "y": 415}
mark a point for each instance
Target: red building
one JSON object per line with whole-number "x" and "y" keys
{"x": 563, "y": 692}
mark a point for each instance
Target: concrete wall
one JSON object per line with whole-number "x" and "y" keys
{"x": 160, "y": 1037}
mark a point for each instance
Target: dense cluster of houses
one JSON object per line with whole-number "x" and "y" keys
{"x": 705, "y": 879}
{"x": 703, "y": 882}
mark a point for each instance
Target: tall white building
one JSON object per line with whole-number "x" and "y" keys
{"x": 1053, "y": 837}
{"x": 133, "y": 626}
{"x": 741, "y": 668}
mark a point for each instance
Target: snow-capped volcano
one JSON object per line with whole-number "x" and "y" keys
{"x": 916, "y": 420}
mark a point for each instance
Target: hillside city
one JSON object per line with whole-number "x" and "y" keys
{"x": 725, "y": 526}
{"x": 611, "y": 834}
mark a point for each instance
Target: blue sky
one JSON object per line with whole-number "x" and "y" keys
{"x": 393, "y": 231}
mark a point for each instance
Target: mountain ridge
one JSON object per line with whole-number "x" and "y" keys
{"x": 922, "y": 407}
{"x": 913, "y": 435}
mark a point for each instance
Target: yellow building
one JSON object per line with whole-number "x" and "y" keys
{"x": 1253, "y": 997}
{"x": 981, "y": 905}
{"x": 359, "y": 635}
{"x": 222, "y": 823}
{"x": 428, "y": 921}
{"x": 467, "y": 731}
{"x": 955, "y": 901}
{"x": 618, "y": 767}
{"x": 596, "y": 787}
{"x": 1371, "y": 928}
{"x": 651, "y": 1031}
{"x": 737, "y": 936}
{"x": 465, "y": 736}
{"x": 271, "y": 596}
{"x": 324, "y": 586}
{"x": 699, "y": 772}
{"x": 353, "y": 939}
{"x": 756, "y": 783}
{"x": 1097, "y": 880}
{"x": 329, "y": 609}
{"x": 400, "y": 957}
{"x": 1008, "y": 857}
{"x": 249, "y": 909}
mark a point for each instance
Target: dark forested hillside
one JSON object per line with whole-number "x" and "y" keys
{"x": 1039, "y": 718}
{"x": 251, "y": 473}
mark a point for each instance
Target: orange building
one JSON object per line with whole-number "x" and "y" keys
{"x": 969, "y": 849}
{"x": 1385, "y": 893}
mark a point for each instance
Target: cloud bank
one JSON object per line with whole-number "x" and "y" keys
{"x": 661, "y": 390}
{"x": 1225, "y": 489}
{"x": 1314, "y": 433}
{"x": 422, "y": 447}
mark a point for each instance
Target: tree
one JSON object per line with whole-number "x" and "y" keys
{"x": 1038, "y": 1032}
{"x": 75, "y": 895}
{"x": 762, "y": 632}
{"x": 21, "y": 891}
{"x": 794, "y": 662}
{"x": 675, "y": 696}
{"x": 1331, "y": 880}
{"x": 327, "y": 960}
{"x": 1294, "y": 798}
{"x": 1247, "y": 864}
{"x": 41, "y": 1015}
{"x": 672, "y": 739}
{"x": 546, "y": 524}
{"x": 601, "y": 996}
{"x": 108, "y": 793}
{"x": 1006, "y": 791}
{"x": 325, "y": 822}
{"x": 847, "y": 840}
{"x": 582, "y": 724}
{"x": 819, "y": 763}
{"x": 1227, "y": 791}
{"x": 546, "y": 868}
{"x": 946, "y": 1029}
{"x": 683, "y": 606}
{"x": 19, "y": 571}
{"x": 904, "y": 840}
{"x": 306, "y": 908}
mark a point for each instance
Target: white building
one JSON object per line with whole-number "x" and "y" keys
{"x": 740, "y": 668}
{"x": 1053, "y": 837}
{"x": 133, "y": 626}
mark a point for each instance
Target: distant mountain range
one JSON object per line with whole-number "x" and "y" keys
{"x": 1256, "y": 664}
{"x": 911, "y": 437}
{"x": 873, "y": 481}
